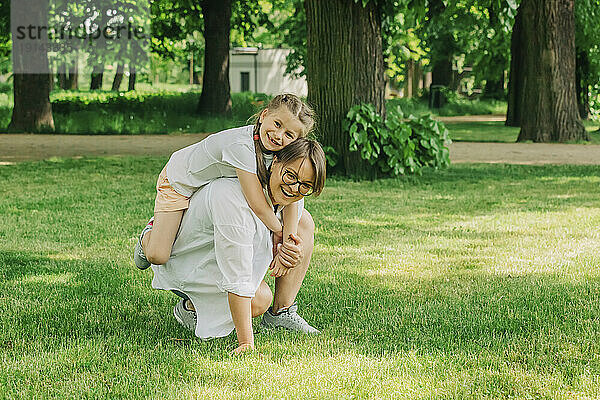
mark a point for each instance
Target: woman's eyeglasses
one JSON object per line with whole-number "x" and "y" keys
{"x": 291, "y": 179}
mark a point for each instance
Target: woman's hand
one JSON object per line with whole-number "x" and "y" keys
{"x": 242, "y": 348}
{"x": 290, "y": 253}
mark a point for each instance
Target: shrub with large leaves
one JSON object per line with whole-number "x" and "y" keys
{"x": 398, "y": 145}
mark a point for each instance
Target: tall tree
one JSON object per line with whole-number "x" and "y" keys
{"x": 215, "y": 97}
{"x": 587, "y": 45}
{"x": 516, "y": 80}
{"x": 97, "y": 76}
{"x": 345, "y": 66}
{"x": 118, "y": 79}
{"x": 442, "y": 44}
{"x": 549, "y": 68}
{"x": 32, "y": 111}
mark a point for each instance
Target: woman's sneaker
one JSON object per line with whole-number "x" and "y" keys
{"x": 187, "y": 318}
{"x": 139, "y": 258}
{"x": 287, "y": 319}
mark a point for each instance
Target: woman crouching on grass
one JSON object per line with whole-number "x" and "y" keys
{"x": 223, "y": 251}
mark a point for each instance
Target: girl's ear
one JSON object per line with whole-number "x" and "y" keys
{"x": 262, "y": 115}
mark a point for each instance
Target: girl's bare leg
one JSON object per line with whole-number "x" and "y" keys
{"x": 157, "y": 243}
{"x": 288, "y": 286}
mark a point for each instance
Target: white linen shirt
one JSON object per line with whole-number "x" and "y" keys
{"x": 221, "y": 246}
{"x": 216, "y": 156}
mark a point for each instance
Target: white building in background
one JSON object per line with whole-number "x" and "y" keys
{"x": 262, "y": 71}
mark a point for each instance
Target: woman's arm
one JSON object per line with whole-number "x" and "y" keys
{"x": 256, "y": 200}
{"x": 241, "y": 311}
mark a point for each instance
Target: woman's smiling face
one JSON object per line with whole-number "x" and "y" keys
{"x": 278, "y": 128}
{"x": 282, "y": 193}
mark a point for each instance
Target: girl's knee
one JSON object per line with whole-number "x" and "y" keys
{"x": 157, "y": 257}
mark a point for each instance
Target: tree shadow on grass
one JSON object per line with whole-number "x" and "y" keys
{"x": 53, "y": 300}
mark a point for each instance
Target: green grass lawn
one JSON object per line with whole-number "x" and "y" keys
{"x": 475, "y": 282}
{"x": 495, "y": 131}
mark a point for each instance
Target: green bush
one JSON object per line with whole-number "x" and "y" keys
{"x": 145, "y": 112}
{"x": 246, "y": 104}
{"x": 398, "y": 145}
{"x": 70, "y": 101}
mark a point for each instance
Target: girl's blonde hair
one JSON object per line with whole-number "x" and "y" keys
{"x": 297, "y": 108}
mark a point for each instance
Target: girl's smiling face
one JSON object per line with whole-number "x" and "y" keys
{"x": 278, "y": 128}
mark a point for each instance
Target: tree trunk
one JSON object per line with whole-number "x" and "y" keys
{"x": 62, "y": 76}
{"x": 132, "y": 77}
{"x": 51, "y": 79}
{"x": 582, "y": 68}
{"x": 191, "y": 65}
{"x": 215, "y": 97}
{"x": 442, "y": 46}
{"x": 494, "y": 84}
{"x": 73, "y": 79}
{"x": 516, "y": 79}
{"x": 442, "y": 72}
{"x": 494, "y": 88}
{"x": 550, "y": 101}
{"x": 409, "y": 78}
{"x": 116, "y": 86}
{"x": 345, "y": 67}
{"x": 32, "y": 111}
{"x": 97, "y": 77}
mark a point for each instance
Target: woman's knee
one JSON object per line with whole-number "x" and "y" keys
{"x": 306, "y": 225}
{"x": 262, "y": 299}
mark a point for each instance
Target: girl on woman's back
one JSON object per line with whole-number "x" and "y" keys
{"x": 246, "y": 153}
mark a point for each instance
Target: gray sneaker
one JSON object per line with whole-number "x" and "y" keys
{"x": 185, "y": 317}
{"x": 139, "y": 258}
{"x": 287, "y": 319}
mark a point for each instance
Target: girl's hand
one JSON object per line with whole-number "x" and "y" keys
{"x": 242, "y": 348}
{"x": 290, "y": 253}
{"x": 277, "y": 268}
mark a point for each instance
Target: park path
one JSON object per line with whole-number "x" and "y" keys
{"x": 22, "y": 147}
{"x": 18, "y": 147}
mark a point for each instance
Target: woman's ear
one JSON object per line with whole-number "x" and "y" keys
{"x": 262, "y": 115}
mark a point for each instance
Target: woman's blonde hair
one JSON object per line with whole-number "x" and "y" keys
{"x": 297, "y": 108}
